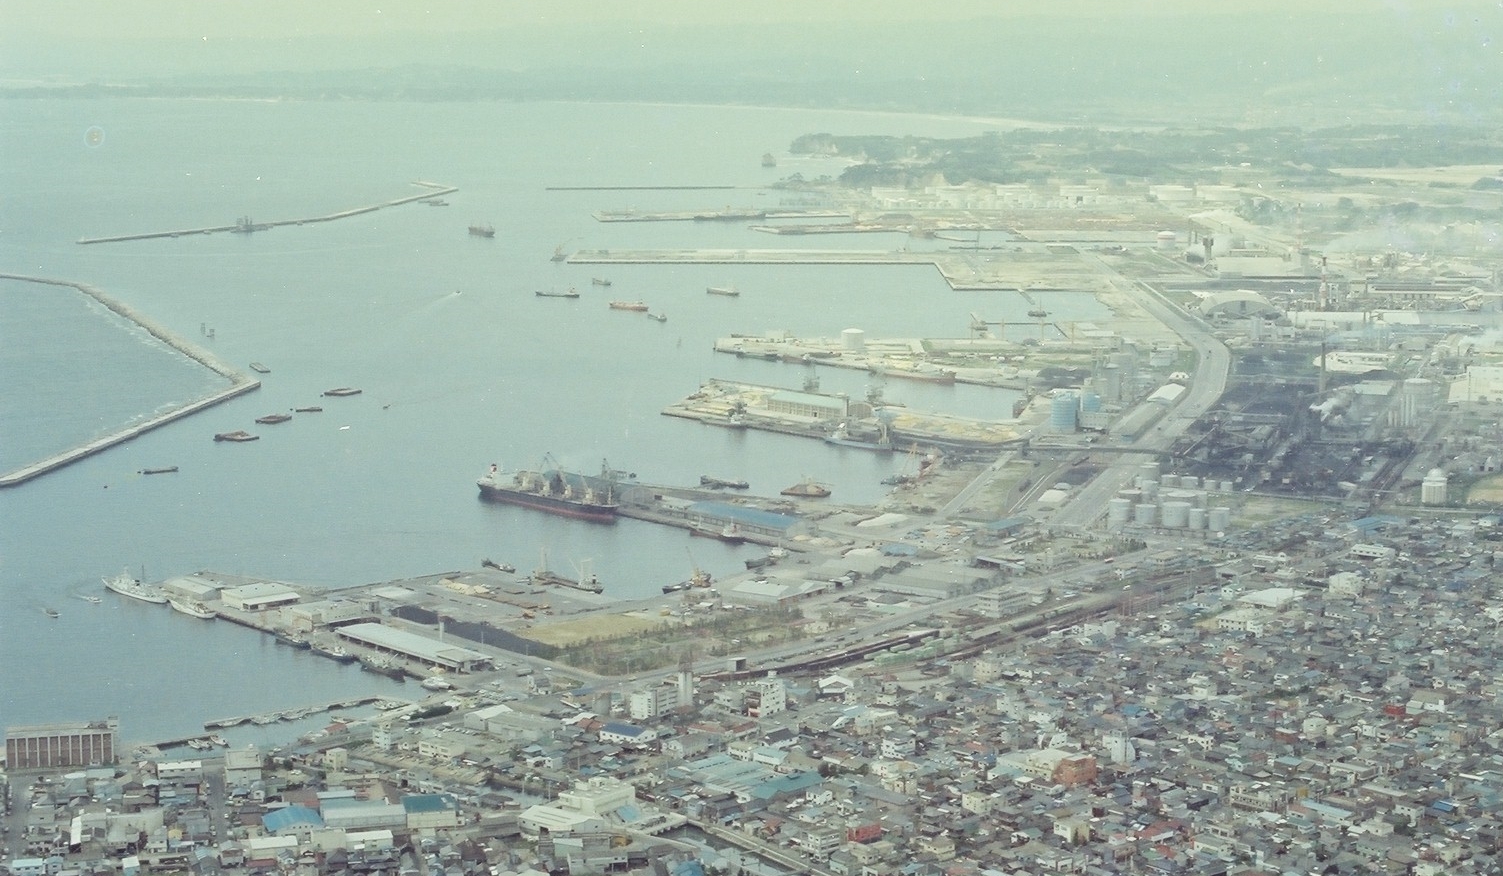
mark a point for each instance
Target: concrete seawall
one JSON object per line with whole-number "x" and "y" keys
{"x": 432, "y": 190}
{"x": 240, "y": 383}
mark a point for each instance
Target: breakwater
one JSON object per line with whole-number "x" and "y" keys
{"x": 245, "y": 226}
{"x": 240, "y": 383}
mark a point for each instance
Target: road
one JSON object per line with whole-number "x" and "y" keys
{"x": 1206, "y": 385}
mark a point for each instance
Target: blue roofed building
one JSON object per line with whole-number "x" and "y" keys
{"x": 430, "y": 811}
{"x": 292, "y": 820}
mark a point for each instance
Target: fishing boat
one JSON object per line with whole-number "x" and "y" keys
{"x": 259, "y": 368}
{"x": 572, "y": 293}
{"x": 658, "y": 317}
{"x": 53, "y": 613}
{"x": 166, "y": 469}
{"x": 730, "y": 533}
{"x": 334, "y": 652}
{"x": 640, "y": 306}
{"x": 600, "y": 281}
{"x": 499, "y": 567}
{"x": 727, "y": 291}
{"x": 807, "y": 489}
{"x": 125, "y": 585}
{"x": 239, "y": 435}
{"x": 273, "y": 419}
{"x": 192, "y": 609}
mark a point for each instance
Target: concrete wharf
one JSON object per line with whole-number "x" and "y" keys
{"x": 240, "y": 383}
{"x": 430, "y": 190}
{"x": 701, "y": 215}
{"x": 906, "y": 359}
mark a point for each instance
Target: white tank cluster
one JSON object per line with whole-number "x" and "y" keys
{"x": 1170, "y": 501}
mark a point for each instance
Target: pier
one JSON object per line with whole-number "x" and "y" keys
{"x": 703, "y": 215}
{"x": 430, "y": 190}
{"x": 240, "y": 383}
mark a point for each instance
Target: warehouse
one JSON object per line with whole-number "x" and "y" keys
{"x": 431, "y": 652}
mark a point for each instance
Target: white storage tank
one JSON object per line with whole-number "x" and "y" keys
{"x": 853, "y": 339}
{"x": 1197, "y": 519}
{"x": 1219, "y": 519}
{"x": 1176, "y": 514}
{"x": 1169, "y": 480}
{"x": 1144, "y": 513}
{"x": 1118, "y": 510}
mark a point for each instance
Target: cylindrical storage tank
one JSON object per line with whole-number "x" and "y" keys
{"x": 1149, "y": 470}
{"x": 1144, "y": 513}
{"x": 1189, "y": 482}
{"x": 1182, "y": 495}
{"x": 1176, "y": 514}
{"x": 1169, "y": 480}
{"x": 1150, "y": 490}
{"x": 1090, "y": 401}
{"x": 1219, "y": 519}
{"x": 853, "y": 339}
{"x": 1165, "y": 239}
{"x": 1062, "y": 412}
{"x": 1197, "y": 519}
{"x": 1118, "y": 510}
{"x": 1131, "y": 495}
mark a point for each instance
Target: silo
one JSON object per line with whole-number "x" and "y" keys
{"x": 1176, "y": 514}
{"x": 1144, "y": 512}
{"x": 1090, "y": 400}
{"x": 1197, "y": 519}
{"x": 1062, "y": 411}
{"x": 1220, "y": 519}
{"x": 1416, "y": 396}
{"x": 1118, "y": 510}
{"x": 1111, "y": 378}
{"x": 853, "y": 339}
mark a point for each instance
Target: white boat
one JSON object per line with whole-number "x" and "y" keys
{"x": 92, "y": 600}
{"x": 192, "y": 609}
{"x": 125, "y": 585}
{"x": 437, "y": 682}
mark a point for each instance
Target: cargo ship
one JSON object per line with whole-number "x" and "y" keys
{"x": 125, "y": 585}
{"x": 556, "y": 492}
{"x": 640, "y": 306}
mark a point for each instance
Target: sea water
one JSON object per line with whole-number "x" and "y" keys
{"x": 460, "y": 364}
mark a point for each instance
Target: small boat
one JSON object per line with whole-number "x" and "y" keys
{"x": 678, "y": 586}
{"x": 239, "y": 435}
{"x": 334, "y": 652}
{"x": 727, "y": 291}
{"x": 1038, "y": 313}
{"x": 166, "y": 469}
{"x": 192, "y": 609}
{"x": 572, "y": 293}
{"x": 273, "y": 419}
{"x": 341, "y": 391}
{"x": 313, "y": 409}
{"x": 807, "y": 489}
{"x": 558, "y": 254}
{"x": 482, "y": 231}
{"x": 640, "y": 306}
{"x": 53, "y": 613}
{"x": 658, "y": 317}
{"x": 92, "y": 600}
{"x": 769, "y": 160}
{"x": 499, "y": 567}
{"x": 218, "y": 740}
{"x": 600, "y": 281}
{"x": 719, "y": 484}
{"x": 259, "y": 368}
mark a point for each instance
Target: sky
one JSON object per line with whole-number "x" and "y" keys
{"x": 1447, "y": 53}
